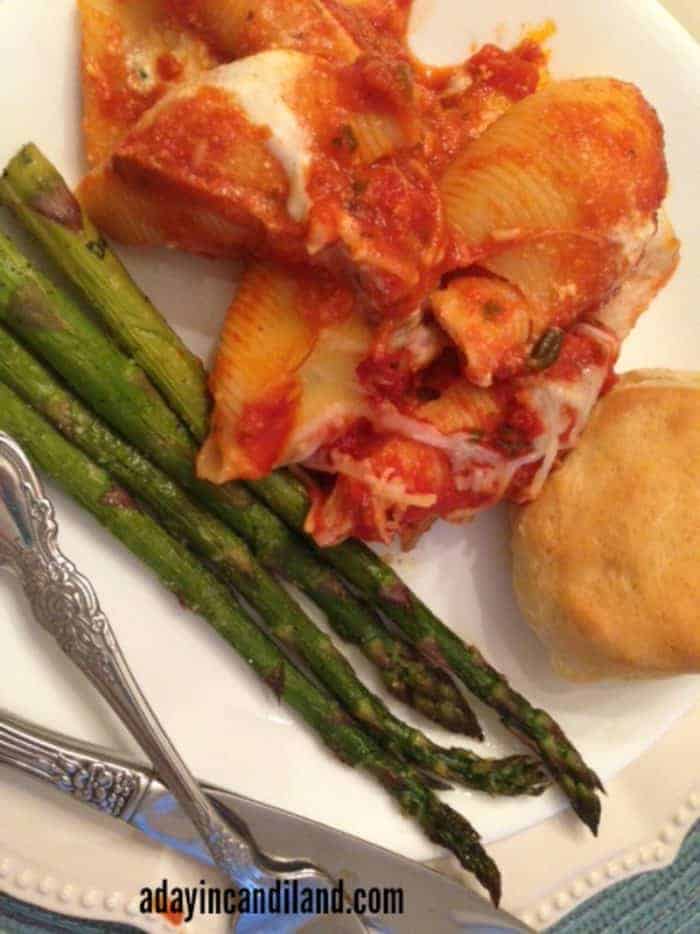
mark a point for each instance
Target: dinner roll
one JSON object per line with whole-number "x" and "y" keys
{"x": 606, "y": 563}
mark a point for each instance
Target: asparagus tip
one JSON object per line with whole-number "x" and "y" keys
{"x": 486, "y": 871}
{"x": 471, "y": 726}
{"x": 587, "y": 806}
{"x": 490, "y": 878}
{"x": 455, "y": 715}
{"x": 448, "y": 828}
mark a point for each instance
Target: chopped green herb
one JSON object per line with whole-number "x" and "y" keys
{"x": 547, "y": 349}
{"x": 98, "y": 247}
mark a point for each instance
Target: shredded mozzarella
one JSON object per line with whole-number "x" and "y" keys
{"x": 386, "y": 487}
{"x": 460, "y": 447}
{"x": 561, "y": 405}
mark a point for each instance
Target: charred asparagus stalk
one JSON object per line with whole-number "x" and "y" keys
{"x": 41, "y": 200}
{"x": 381, "y": 586}
{"x": 56, "y": 218}
{"x": 217, "y": 543}
{"x": 180, "y": 572}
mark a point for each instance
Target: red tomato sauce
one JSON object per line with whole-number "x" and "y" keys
{"x": 118, "y": 99}
{"x": 327, "y": 300}
{"x": 265, "y": 426}
{"x": 169, "y": 67}
{"x": 513, "y": 73}
{"x": 376, "y": 84}
{"x": 578, "y": 351}
{"x": 196, "y": 136}
{"x": 387, "y": 377}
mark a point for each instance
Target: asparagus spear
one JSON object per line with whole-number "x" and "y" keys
{"x": 237, "y": 566}
{"x": 55, "y": 215}
{"x": 380, "y": 585}
{"x": 39, "y": 196}
{"x": 181, "y": 573}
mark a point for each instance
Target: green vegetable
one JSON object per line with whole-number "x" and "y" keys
{"x": 547, "y": 349}
{"x": 24, "y": 295}
{"x": 201, "y": 592}
{"x": 30, "y": 184}
{"x": 379, "y": 584}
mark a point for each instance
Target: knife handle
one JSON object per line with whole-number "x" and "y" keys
{"x": 104, "y": 783}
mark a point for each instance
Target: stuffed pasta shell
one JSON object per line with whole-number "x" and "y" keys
{"x": 280, "y": 149}
{"x": 476, "y": 395}
{"x": 558, "y": 200}
{"x": 284, "y": 381}
{"x": 133, "y": 53}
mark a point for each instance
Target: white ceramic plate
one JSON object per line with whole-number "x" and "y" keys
{"x": 228, "y": 726}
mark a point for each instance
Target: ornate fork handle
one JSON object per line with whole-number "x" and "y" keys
{"x": 66, "y": 605}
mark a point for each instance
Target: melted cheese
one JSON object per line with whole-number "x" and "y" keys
{"x": 477, "y": 468}
{"x": 462, "y": 450}
{"x": 387, "y": 486}
{"x": 262, "y": 86}
{"x": 656, "y": 266}
{"x": 632, "y": 236}
{"x": 563, "y": 407}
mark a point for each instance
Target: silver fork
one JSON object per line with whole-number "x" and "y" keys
{"x": 64, "y": 602}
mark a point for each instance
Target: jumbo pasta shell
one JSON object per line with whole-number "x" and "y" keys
{"x": 579, "y": 156}
{"x": 264, "y": 341}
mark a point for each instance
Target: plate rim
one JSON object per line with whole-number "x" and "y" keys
{"x": 586, "y": 865}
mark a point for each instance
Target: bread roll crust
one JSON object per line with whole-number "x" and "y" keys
{"x": 606, "y": 563}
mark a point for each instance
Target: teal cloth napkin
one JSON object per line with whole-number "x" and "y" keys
{"x": 662, "y": 902}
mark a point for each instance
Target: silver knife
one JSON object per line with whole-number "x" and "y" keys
{"x": 130, "y": 792}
